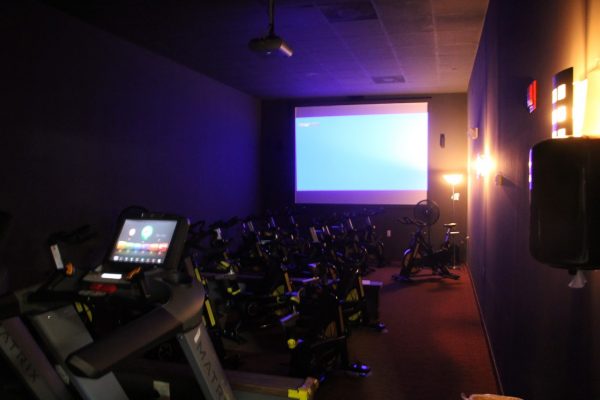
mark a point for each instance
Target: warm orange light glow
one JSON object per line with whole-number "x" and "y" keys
{"x": 559, "y": 115}
{"x": 453, "y": 179}
{"x": 559, "y": 134}
{"x": 562, "y": 92}
{"x": 579, "y": 102}
{"x": 591, "y": 117}
{"x": 562, "y": 103}
{"x": 484, "y": 165}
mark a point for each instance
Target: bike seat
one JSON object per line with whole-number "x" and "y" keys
{"x": 450, "y": 225}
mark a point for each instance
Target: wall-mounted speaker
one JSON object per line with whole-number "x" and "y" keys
{"x": 564, "y": 228}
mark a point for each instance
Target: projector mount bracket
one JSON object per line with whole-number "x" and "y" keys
{"x": 271, "y": 44}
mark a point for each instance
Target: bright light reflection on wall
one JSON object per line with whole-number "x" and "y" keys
{"x": 483, "y": 165}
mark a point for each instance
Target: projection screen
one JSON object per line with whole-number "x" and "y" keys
{"x": 361, "y": 154}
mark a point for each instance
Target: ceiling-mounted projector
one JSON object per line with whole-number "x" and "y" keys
{"x": 271, "y": 44}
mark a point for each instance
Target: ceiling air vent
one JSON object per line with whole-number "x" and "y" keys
{"x": 389, "y": 79}
{"x": 349, "y": 11}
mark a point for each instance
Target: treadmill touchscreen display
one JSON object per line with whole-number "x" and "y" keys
{"x": 143, "y": 241}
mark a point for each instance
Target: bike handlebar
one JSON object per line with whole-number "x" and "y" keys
{"x": 76, "y": 236}
{"x": 224, "y": 224}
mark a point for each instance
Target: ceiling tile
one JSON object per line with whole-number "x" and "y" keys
{"x": 424, "y": 40}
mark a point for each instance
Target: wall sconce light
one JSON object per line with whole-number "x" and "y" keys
{"x": 483, "y": 165}
{"x": 562, "y": 104}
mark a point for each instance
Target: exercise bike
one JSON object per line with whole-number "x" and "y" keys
{"x": 420, "y": 253}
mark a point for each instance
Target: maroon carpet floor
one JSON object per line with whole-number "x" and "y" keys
{"x": 434, "y": 347}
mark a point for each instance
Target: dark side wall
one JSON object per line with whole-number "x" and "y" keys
{"x": 544, "y": 335}
{"x": 91, "y": 124}
{"x": 447, "y": 115}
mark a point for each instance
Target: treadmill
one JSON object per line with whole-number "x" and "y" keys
{"x": 142, "y": 265}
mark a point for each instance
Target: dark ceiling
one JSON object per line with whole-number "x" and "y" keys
{"x": 341, "y": 47}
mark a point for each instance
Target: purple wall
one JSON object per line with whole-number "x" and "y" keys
{"x": 544, "y": 335}
{"x": 91, "y": 124}
{"x": 447, "y": 114}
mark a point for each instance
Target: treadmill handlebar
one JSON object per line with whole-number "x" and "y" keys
{"x": 17, "y": 303}
{"x": 181, "y": 311}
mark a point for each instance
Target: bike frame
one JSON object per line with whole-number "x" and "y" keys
{"x": 423, "y": 254}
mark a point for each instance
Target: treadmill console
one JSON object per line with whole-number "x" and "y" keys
{"x": 142, "y": 244}
{"x": 148, "y": 242}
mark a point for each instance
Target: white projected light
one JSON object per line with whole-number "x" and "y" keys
{"x": 362, "y": 154}
{"x": 107, "y": 275}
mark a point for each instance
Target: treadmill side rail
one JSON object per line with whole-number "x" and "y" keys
{"x": 22, "y": 351}
{"x": 200, "y": 353}
{"x": 63, "y": 332}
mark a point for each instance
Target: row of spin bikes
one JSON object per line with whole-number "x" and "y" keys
{"x": 265, "y": 272}
{"x": 307, "y": 278}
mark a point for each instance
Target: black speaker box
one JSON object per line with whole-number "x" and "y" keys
{"x": 565, "y": 203}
